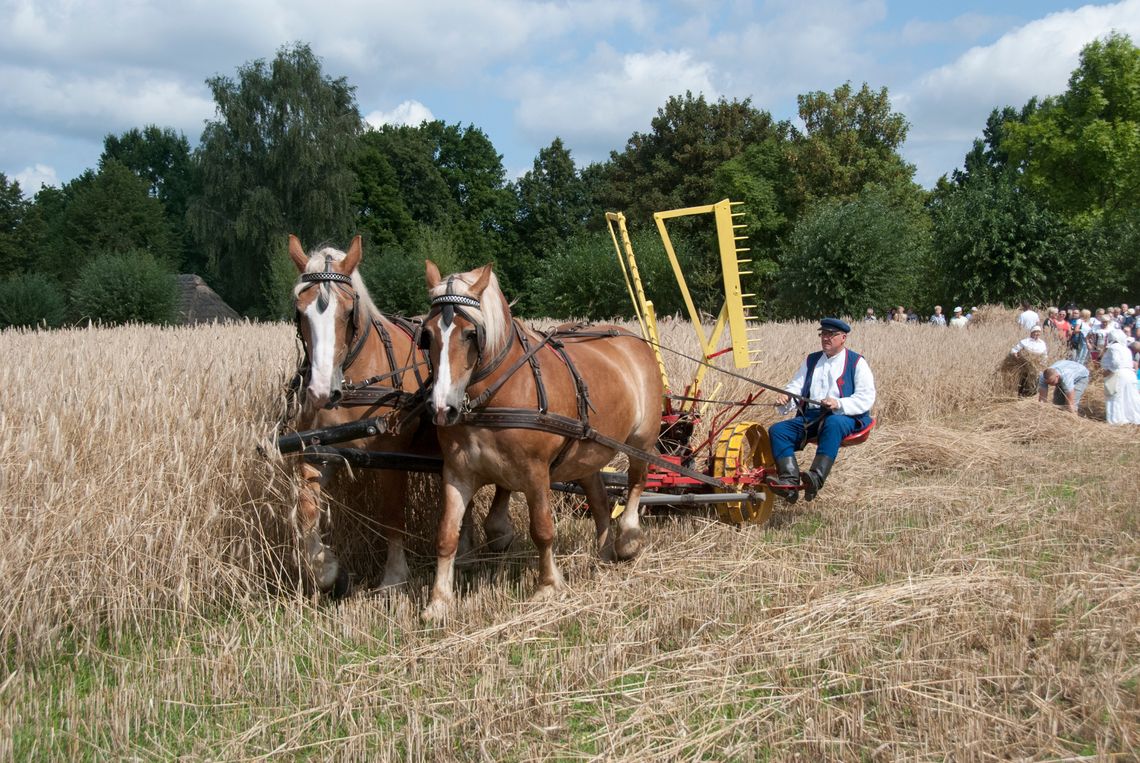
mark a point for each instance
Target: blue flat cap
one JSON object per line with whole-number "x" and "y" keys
{"x": 834, "y": 324}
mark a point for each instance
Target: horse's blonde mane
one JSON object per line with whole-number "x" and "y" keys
{"x": 492, "y": 311}
{"x": 317, "y": 263}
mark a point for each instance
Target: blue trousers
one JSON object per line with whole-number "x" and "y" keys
{"x": 792, "y": 434}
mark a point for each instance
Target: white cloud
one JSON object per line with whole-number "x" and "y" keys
{"x": 598, "y": 106}
{"x": 948, "y": 106}
{"x": 407, "y": 113}
{"x": 31, "y": 178}
{"x": 72, "y": 102}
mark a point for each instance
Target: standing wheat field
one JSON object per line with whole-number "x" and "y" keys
{"x": 966, "y": 587}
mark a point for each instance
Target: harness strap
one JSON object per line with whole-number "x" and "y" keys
{"x": 488, "y": 393}
{"x": 552, "y": 423}
{"x": 536, "y": 371}
{"x": 580, "y": 386}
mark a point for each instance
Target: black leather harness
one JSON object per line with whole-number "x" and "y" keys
{"x": 476, "y": 413}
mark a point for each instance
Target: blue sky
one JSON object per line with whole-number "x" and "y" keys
{"x": 591, "y": 72}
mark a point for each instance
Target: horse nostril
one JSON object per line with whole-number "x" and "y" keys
{"x": 334, "y": 397}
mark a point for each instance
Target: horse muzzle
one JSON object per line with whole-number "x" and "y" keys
{"x": 324, "y": 396}
{"x": 446, "y": 416}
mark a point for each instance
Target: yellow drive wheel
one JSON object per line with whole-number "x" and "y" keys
{"x": 740, "y": 447}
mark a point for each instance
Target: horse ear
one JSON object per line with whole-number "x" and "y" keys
{"x": 433, "y": 277}
{"x": 352, "y": 257}
{"x": 482, "y": 281}
{"x": 297, "y": 253}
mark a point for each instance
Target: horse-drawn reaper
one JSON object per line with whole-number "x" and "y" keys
{"x": 475, "y": 394}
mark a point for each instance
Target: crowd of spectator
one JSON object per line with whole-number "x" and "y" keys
{"x": 901, "y": 316}
{"x": 1108, "y": 339}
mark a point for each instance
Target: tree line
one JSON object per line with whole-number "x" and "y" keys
{"x": 1046, "y": 207}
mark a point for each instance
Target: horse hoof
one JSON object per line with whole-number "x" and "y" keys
{"x": 628, "y": 545}
{"x": 546, "y": 593}
{"x": 435, "y": 612}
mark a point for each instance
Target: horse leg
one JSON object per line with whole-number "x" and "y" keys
{"x": 599, "y": 502}
{"x": 497, "y": 527}
{"x": 542, "y": 533}
{"x": 467, "y": 542}
{"x": 457, "y": 493}
{"x": 630, "y": 539}
{"x": 393, "y": 488}
{"x": 318, "y": 561}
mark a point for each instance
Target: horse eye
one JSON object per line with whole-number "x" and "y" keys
{"x": 470, "y": 335}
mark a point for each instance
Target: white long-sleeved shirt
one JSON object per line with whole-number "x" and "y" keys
{"x": 1028, "y": 344}
{"x": 824, "y": 383}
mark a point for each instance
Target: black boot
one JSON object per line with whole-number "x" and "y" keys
{"x": 817, "y": 475}
{"x": 787, "y": 482}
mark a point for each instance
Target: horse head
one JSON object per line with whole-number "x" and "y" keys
{"x": 468, "y": 322}
{"x": 326, "y": 299}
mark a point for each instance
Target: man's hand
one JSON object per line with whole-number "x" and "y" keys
{"x": 830, "y": 403}
{"x": 782, "y": 399}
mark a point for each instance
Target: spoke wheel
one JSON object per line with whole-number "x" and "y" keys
{"x": 742, "y": 448}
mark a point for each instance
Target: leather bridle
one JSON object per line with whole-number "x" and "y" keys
{"x": 446, "y": 306}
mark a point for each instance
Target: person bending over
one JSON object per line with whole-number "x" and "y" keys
{"x": 1069, "y": 379}
{"x": 842, "y": 381}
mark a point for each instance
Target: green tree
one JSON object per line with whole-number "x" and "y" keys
{"x": 553, "y": 208}
{"x": 992, "y": 241}
{"x": 553, "y": 205}
{"x": 851, "y": 139}
{"x": 419, "y": 182}
{"x": 445, "y": 182}
{"x": 277, "y": 159}
{"x": 845, "y": 255}
{"x": 32, "y": 299}
{"x": 674, "y": 165}
{"x": 122, "y": 288}
{"x": 108, "y": 212}
{"x": 989, "y": 153}
{"x": 14, "y": 210}
{"x": 474, "y": 174}
{"x": 383, "y": 217}
{"x": 162, "y": 158}
{"x": 1080, "y": 151}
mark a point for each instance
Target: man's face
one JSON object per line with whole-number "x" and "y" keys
{"x": 831, "y": 341}
{"x": 937, "y": 310}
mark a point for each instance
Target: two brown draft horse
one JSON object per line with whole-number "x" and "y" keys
{"x": 511, "y": 407}
{"x": 359, "y": 364}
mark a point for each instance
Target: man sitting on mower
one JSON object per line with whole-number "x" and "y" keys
{"x": 842, "y": 381}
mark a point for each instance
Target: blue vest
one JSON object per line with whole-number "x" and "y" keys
{"x": 846, "y": 382}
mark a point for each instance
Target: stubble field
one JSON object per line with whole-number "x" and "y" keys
{"x": 967, "y": 586}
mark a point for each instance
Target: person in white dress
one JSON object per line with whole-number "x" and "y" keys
{"x": 1121, "y": 396}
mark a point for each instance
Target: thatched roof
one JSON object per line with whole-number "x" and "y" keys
{"x": 198, "y": 303}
